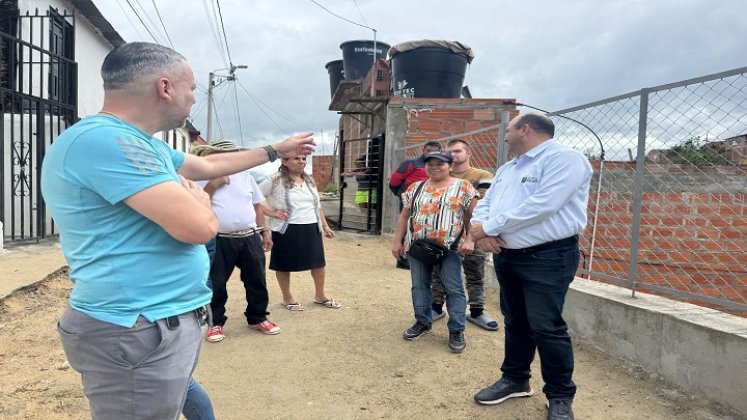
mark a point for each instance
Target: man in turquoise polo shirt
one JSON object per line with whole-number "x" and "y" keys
{"x": 131, "y": 226}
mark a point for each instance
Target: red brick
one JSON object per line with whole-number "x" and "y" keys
{"x": 484, "y": 114}
{"x": 700, "y": 198}
{"x": 707, "y": 233}
{"x": 732, "y": 210}
{"x": 723, "y": 198}
{"x": 675, "y": 198}
{"x": 679, "y": 256}
{"x": 453, "y": 126}
{"x": 466, "y": 114}
{"x": 733, "y": 234}
{"x": 425, "y": 125}
{"x": 440, "y": 113}
{"x": 703, "y": 210}
{"x": 719, "y": 222}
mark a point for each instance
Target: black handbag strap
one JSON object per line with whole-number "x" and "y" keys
{"x": 454, "y": 245}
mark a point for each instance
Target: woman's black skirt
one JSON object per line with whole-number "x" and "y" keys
{"x": 300, "y": 248}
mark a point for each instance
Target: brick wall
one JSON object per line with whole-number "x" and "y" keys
{"x": 431, "y": 119}
{"x": 321, "y": 171}
{"x": 692, "y": 241}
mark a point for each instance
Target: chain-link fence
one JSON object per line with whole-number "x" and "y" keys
{"x": 668, "y": 201}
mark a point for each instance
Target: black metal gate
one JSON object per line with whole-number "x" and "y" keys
{"x": 38, "y": 100}
{"x": 361, "y": 177}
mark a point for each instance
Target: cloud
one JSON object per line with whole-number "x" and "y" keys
{"x": 549, "y": 54}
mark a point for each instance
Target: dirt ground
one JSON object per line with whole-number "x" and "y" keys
{"x": 350, "y": 363}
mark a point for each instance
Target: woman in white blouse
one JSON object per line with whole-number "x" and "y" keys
{"x": 297, "y": 223}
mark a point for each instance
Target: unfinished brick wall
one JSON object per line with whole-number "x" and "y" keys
{"x": 433, "y": 119}
{"x": 692, "y": 241}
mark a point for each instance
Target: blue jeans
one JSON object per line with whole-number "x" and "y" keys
{"x": 450, "y": 272}
{"x": 534, "y": 282}
{"x": 198, "y": 405}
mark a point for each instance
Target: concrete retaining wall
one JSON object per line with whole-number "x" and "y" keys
{"x": 696, "y": 348}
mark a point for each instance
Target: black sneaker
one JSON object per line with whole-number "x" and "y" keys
{"x": 503, "y": 390}
{"x": 403, "y": 264}
{"x": 456, "y": 341}
{"x": 417, "y": 330}
{"x": 560, "y": 409}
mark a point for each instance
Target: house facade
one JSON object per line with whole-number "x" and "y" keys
{"x": 46, "y": 48}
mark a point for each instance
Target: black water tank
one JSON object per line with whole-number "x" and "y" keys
{"x": 357, "y": 57}
{"x": 334, "y": 68}
{"x": 429, "y": 69}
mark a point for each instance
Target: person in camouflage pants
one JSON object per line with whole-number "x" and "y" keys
{"x": 472, "y": 264}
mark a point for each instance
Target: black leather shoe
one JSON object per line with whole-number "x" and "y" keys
{"x": 416, "y": 331}
{"x": 403, "y": 264}
{"x": 560, "y": 409}
{"x": 503, "y": 390}
{"x": 456, "y": 342}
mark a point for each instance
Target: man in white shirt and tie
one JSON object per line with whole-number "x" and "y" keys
{"x": 530, "y": 219}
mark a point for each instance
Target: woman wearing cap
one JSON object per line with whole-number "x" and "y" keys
{"x": 297, "y": 224}
{"x": 438, "y": 209}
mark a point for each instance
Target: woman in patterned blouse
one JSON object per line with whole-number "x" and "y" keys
{"x": 439, "y": 210}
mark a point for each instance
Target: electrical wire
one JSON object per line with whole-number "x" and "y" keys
{"x": 359, "y": 12}
{"x": 254, "y": 97}
{"x": 342, "y": 18}
{"x": 262, "y": 109}
{"x": 162, "y": 24}
{"x": 127, "y": 15}
{"x": 238, "y": 114}
{"x": 214, "y": 32}
{"x": 223, "y": 27}
{"x": 143, "y": 22}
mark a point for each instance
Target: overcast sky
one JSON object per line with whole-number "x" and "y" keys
{"x": 551, "y": 54}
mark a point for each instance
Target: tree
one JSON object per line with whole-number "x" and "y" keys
{"x": 694, "y": 151}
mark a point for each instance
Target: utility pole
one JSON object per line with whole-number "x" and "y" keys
{"x": 211, "y": 84}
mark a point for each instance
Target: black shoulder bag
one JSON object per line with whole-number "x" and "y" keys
{"x": 425, "y": 250}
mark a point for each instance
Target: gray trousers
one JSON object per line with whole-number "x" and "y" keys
{"x": 133, "y": 373}
{"x": 474, "y": 274}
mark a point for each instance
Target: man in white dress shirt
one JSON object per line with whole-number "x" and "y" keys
{"x": 531, "y": 218}
{"x": 241, "y": 242}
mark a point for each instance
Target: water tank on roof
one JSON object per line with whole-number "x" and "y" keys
{"x": 358, "y": 57}
{"x": 334, "y": 68}
{"x": 429, "y": 68}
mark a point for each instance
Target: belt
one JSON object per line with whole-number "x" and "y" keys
{"x": 241, "y": 233}
{"x": 201, "y": 313}
{"x": 560, "y": 243}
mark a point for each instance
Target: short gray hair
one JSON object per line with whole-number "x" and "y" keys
{"x": 538, "y": 123}
{"x": 130, "y": 62}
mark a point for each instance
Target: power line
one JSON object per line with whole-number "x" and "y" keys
{"x": 340, "y": 17}
{"x": 127, "y": 15}
{"x": 162, "y": 24}
{"x": 214, "y": 31}
{"x": 223, "y": 27}
{"x": 238, "y": 114}
{"x": 261, "y": 109}
{"x": 143, "y": 22}
{"x": 256, "y": 100}
{"x": 359, "y": 12}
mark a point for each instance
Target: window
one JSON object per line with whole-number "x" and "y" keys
{"x": 379, "y": 74}
{"x": 62, "y": 78}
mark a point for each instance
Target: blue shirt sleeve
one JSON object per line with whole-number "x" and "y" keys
{"x": 116, "y": 167}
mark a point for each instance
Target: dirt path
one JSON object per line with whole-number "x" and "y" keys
{"x": 349, "y": 363}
